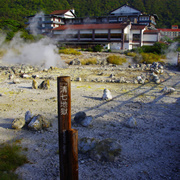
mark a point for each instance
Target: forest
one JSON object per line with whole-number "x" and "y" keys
{"x": 13, "y": 13}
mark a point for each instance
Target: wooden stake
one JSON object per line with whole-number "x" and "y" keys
{"x": 68, "y": 138}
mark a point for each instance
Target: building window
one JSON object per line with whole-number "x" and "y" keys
{"x": 136, "y": 37}
{"x": 117, "y": 35}
{"x": 85, "y": 35}
{"x": 101, "y": 35}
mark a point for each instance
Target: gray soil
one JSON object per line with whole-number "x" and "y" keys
{"x": 150, "y": 151}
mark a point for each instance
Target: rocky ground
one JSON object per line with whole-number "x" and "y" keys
{"x": 150, "y": 150}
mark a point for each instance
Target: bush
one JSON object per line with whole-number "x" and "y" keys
{"x": 148, "y": 58}
{"x": 157, "y": 48}
{"x": 97, "y": 48}
{"x": 10, "y": 159}
{"x": 70, "y": 51}
{"x": 89, "y": 61}
{"x": 132, "y": 54}
{"x": 113, "y": 59}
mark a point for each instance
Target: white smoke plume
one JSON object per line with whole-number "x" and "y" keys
{"x": 43, "y": 53}
{"x": 171, "y": 53}
{"x": 34, "y": 23}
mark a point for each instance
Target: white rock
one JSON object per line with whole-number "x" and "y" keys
{"x": 26, "y": 76}
{"x": 106, "y": 95}
{"x": 168, "y": 90}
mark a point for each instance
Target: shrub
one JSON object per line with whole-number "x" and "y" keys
{"x": 157, "y": 48}
{"x": 89, "y": 61}
{"x": 148, "y": 58}
{"x": 10, "y": 159}
{"x": 132, "y": 54}
{"x": 113, "y": 59}
{"x": 70, "y": 51}
{"x": 97, "y": 48}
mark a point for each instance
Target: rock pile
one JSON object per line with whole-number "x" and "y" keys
{"x": 44, "y": 85}
{"x": 36, "y": 122}
{"x": 82, "y": 119}
{"x": 156, "y": 68}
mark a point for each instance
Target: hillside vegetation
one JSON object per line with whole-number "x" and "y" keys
{"x": 167, "y": 10}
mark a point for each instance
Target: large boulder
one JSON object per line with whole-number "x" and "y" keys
{"x": 38, "y": 122}
{"x": 108, "y": 150}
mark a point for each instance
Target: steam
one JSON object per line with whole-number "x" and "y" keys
{"x": 33, "y": 26}
{"x": 43, "y": 53}
{"x": 171, "y": 53}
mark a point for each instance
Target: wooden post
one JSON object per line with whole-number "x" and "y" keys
{"x": 68, "y": 138}
{"x": 178, "y": 60}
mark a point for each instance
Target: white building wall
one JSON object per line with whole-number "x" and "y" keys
{"x": 150, "y": 37}
{"x": 68, "y": 15}
{"x": 101, "y": 31}
{"x": 127, "y": 32}
{"x": 126, "y": 46}
{"x": 116, "y": 31}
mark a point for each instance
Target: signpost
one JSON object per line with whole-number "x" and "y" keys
{"x": 178, "y": 60}
{"x": 68, "y": 138}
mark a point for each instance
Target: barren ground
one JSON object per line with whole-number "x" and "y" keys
{"x": 149, "y": 151}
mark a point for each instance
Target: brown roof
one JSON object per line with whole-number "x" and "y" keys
{"x": 91, "y": 26}
{"x": 59, "y": 12}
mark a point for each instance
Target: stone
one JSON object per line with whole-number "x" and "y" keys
{"x": 79, "y": 79}
{"x": 35, "y": 76}
{"x": 16, "y": 81}
{"x": 75, "y": 62}
{"x": 11, "y": 76}
{"x": 28, "y": 117}
{"x": 18, "y": 123}
{"x": 80, "y": 116}
{"x": 108, "y": 150}
{"x": 111, "y": 76}
{"x": 25, "y": 76}
{"x": 106, "y": 95}
{"x": 167, "y": 90}
{"x": 34, "y": 84}
{"x": 140, "y": 79}
{"x": 87, "y": 121}
{"x": 38, "y": 122}
{"x": 86, "y": 144}
{"x": 122, "y": 80}
{"x": 44, "y": 85}
{"x": 131, "y": 123}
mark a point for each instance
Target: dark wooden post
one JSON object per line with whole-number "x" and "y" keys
{"x": 68, "y": 138}
{"x": 178, "y": 60}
